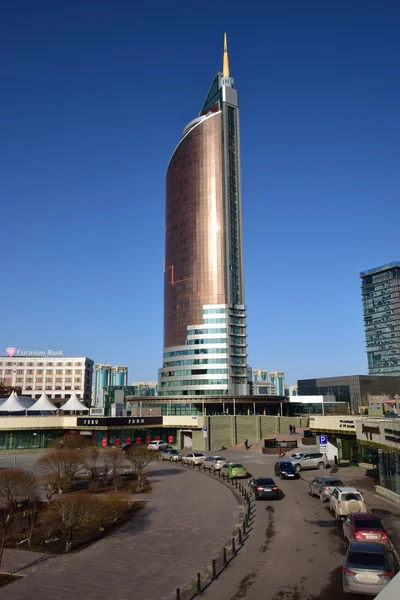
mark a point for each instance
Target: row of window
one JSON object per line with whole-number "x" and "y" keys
{"x": 39, "y": 364}
{"x": 213, "y": 321}
{"x": 194, "y": 351}
{"x": 191, "y": 382}
{"x": 204, "y": 331}
{"x": 206, "y": 341}
{"x": 214, "y": 311}
{"x": 195, "y": 372}
{"x": 196, "y": 361}
{"x": 181, "y": 392}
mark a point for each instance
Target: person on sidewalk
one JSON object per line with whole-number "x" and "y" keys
{"x": 290, "y": 429}
{"x": 279, "y": 450}
{"x": 246, "y": 444}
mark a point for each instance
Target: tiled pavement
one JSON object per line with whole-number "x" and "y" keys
{"x": 186, "y": 522}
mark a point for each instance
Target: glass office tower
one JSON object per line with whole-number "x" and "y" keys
{"x": 205, "y": 350}
{"x": 119, "y": 376}
{"x": 380, "y": 289}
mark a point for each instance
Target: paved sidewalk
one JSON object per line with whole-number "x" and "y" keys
{"x": 361, "y": 478}
{"x": 186, "y": 522}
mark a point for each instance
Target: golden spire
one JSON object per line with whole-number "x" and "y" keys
{"x": 226, "y": 58}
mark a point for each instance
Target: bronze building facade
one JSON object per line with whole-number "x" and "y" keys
{"x": 205, "y": 350}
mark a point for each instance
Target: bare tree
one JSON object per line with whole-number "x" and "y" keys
{"x": 18, "y": 490}
{"x": 90, "y": 460}
{"x": 69, "y": 442}
{"x": 140, "y": 457}
{"x": 113, "y": 458}
{"x": 59, "y": 468}
{"x": 72, "y": 512}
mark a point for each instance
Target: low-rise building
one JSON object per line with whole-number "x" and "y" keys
{"x": 58, "y": 376}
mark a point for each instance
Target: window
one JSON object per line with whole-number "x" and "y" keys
{"x": 49, "y": 364}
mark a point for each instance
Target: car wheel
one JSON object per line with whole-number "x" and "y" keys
{"x": 321, "y": 466}
{"x": 310, "y": 491}
{"x": 298, "y": 468}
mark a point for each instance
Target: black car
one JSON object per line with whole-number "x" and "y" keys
{"x": 286, "y": 470}
{"x": 264, "y": 487}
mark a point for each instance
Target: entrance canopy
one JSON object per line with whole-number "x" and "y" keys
{"x": 43, "y": 404}
{"x": 74, "y": 404}
{"x": 13, "y": 405}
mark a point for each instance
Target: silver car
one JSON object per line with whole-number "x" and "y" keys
{"x": 214, "y": 463}
{"x": 310, "y": 460}
{"x": 175, "y": 456}
{"x": 323, "y": 487}
{"x": 193, "y": 458}
{"x": 368, "y": 568}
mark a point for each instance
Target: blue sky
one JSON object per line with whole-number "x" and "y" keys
{"x": 94, "y": 98}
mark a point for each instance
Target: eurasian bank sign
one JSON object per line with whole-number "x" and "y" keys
{"x": 11, "y": 351}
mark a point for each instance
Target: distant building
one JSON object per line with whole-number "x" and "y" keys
{"x": 144, "y": 388}
{"x": 58, "y": 376}
{"x": 119, "y": 375}
{"x": 264, "y": 388}
{"x": 380, "y": 290}
{"x": 291, "y": 390}
{"x": 260, "y": 375}
{"x": 278, "y": 379}
{"x": 356, "y": 390}
{"x": 102, "y": 378}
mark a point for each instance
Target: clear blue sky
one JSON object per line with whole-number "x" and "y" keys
{"x": 94, "y": 98}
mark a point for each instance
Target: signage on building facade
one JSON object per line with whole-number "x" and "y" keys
{"x": 392, "y": 435}
{"x": 368, "y": 430}
{"x": 11, "y": 351}
{"x": 118, "y": 421}
{"x": 347, "y": 424}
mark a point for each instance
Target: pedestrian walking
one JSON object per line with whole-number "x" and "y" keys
{"x": 279, "y": 450}
{"x": 294, "y": 429}
{"x": 246, "y": 444}
{"x": 290, "y": 429}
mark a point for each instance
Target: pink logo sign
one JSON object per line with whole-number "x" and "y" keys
{"x": 11, "y": 351}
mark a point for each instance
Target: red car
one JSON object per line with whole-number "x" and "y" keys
{"x": 364, "y": 527}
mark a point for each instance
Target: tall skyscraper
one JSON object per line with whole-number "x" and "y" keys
{"x": 102, "y": 375}
{"x": 380, "y": 290}
{"x": 278, "y": 380}
{"x": 119, "y": 375}
{"x": 204, "y": 311}
{"x": 260, "y": 375}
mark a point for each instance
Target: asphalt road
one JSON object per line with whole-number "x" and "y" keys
{"x": 295, "y": 550}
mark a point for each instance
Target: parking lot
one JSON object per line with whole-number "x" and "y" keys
{"x": 296, "y": 549}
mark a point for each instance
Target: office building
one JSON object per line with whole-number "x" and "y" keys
{"x": 356, "y": 390}
{"x": 278, "y": 380}
{"x": 119, "y": 376}
{"x": 263, "y": 388}
{"x": 204, "y": 311}
{"x": 380, "y": 290}
{"x": 260, "y": 375}
{"x": 102, "y": 378}
{"x": 144, "y": 388}
{"x": 58, "y": 376}
{"x": 291, "y": 390}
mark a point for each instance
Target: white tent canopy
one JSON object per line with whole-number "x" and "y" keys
{"x": 74, "y": 404}
{"x": 43, "y": 404}
{"x": 12, "y": 404}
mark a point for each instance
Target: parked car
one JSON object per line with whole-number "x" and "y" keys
{"x": 165, "y": 454}
{"x": 264, "y": 487}
{"x": 157, "y": 445}
{"x": 234, "y": 470}
{"x": 367, "y": 569}
{"x": 344, "y": 501}
{"x": 286, "y": 470}
{"x": 310, "y": 460}
{"x": 175, "y": 456}
{"x": 214, "y": 463}
{"x": 323, "y": 487}
{"x": 365, "y": 527}
{"x": 297, "y": 455}
{"x": 194, "y": 457}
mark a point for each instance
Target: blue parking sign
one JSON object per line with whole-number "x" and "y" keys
{"x": 323, "y": 440}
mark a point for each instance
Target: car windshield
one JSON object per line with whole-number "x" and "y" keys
{"x": 366, "y": 559}
{"x": 197, "y": 454}
{"x": 265, "y": 481}
{"x": 174, "y": 452}
{"x": 351, "y": 496}
{"x": 368, "y": 524}
{"x": 333, "y": 483}
{"x": 237, "y": 466}
{"x": 297, "y": 454}
{"x": 219, "y": 458}
{"x": 286, "y": 465}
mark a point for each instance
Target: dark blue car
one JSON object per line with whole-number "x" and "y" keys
{"x": 286, "y": 470}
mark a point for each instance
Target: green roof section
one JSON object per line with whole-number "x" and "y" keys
{"x": 213, "y": 95}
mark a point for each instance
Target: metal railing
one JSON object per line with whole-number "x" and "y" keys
{"x": 231, "y": 548}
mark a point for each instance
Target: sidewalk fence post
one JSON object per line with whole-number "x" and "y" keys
{"x": 225, "y": 559}
{"x": 233, "y": 547}
{"x": 240, "y": 537}
{"x": 244, "y": 527}
{"x": 214, "y": 569}
{"x": 199, "y": 584}
{"x": 178, "y": 594}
